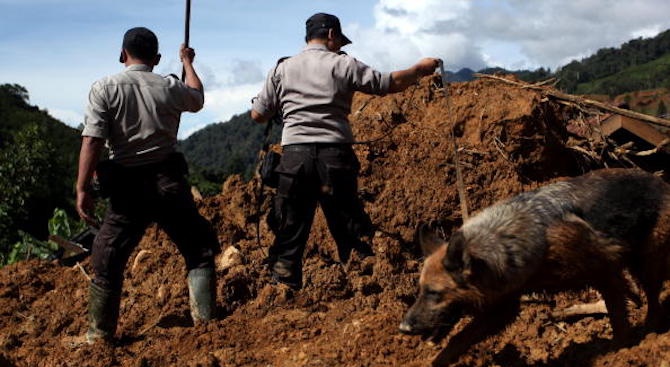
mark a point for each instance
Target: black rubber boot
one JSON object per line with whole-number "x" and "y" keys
{"x": 283, "y": 273}
{"x": 103, "y": 313}
{"x": 202, "y": 294}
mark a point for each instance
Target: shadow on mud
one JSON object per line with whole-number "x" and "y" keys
{"x": 5, "y": 362}
{"x": 170, "y": 321}
{"x": 577, "y": 354}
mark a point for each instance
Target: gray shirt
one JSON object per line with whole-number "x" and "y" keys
{"x": 137, "y": 112}
{"x": 313, "y": 92}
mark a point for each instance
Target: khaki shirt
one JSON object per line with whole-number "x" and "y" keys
{"x": 137, "y": 112}
{"x": 313, "y": 92}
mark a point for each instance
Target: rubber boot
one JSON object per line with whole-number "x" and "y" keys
{"x": 202, "y": 294}
{"x": 103, "y": 314}
{"x": 286, "y": 274}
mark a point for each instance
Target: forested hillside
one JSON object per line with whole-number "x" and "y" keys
{"x": 651, "y": 75}
{"x": 38, "y": 156}
{"x": 639, "y": 64}
{"x": 222, "y": 149}
{"x": 636, "y": 65}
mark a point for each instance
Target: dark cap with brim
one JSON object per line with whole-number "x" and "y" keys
{"x": 320, "y": 21}
{"x": 141, "y": 43}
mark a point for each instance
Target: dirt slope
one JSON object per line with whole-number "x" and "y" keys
{"x": 510, "y": 139}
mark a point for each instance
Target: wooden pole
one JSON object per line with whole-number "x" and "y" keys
{"x": 459, "y": 176}
{"x": 187, "y": 30}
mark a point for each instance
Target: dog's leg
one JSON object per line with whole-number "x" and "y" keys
{"x": 654, "y": 263}
{"x": 489, "y": 322}
{"x": 653, "y": 270}
{"x": 652, "y": 283}
{"x": 611, "y": 290}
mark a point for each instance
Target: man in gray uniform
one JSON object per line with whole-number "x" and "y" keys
{"x": 312, "y": 93}
{"x": 137, "y": 112}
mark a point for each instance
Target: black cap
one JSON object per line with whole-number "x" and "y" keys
{"x": 141, "y": 43}
{"x": 320, "y": 21}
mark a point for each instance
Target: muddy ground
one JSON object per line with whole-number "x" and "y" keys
{"x": 510, "y": 140}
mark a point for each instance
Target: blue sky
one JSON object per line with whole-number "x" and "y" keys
{"x": 58, "y": 48}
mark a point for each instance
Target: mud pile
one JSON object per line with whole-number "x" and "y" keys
{"x": 508, "y": 139}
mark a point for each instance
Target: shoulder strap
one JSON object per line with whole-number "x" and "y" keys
{"x": 279, "y": 61}
{"x": 276, "y": 119}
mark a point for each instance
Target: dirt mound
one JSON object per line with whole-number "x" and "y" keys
{"x": 509, "y": 140}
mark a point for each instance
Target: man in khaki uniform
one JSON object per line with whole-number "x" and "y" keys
{"x": 136, "y": 113}
{"x": 312, "y": 93}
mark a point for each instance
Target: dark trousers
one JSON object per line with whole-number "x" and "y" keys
{"x": 326, "y": 174}
{"x": 139, "y": 196}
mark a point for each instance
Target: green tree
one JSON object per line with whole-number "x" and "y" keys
{"x": 623, "y": 65}
{"x": 23, "y": 165}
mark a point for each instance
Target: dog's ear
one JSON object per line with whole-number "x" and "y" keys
{"x": 477, "y": 272}
{"x": 454, "y": 261}
{"x": 463, "y": 267}
{"x": 428, "y": 239}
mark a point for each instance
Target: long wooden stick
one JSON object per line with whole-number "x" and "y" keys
{"x": 187, "y": 33}
{"x": 459, "y": 177}
{"x": 580, "y": 100}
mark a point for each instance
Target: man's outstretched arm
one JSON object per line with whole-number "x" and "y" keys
{"x": 402, "y": 79}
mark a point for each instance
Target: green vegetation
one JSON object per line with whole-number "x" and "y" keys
{"x": 22, "y": 165}
{"x": 651, "y": 75}
{"x": 28, "y": 247}
{"x": 37, "y": 171}
{"x": 636, "y": 65}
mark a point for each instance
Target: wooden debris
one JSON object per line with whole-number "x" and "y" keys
{"x": 81, "y": 268}
{"x": 585, "y": 309}
{"x": 580, "y": 100}
{"x": 197, "y": 196}
{"x": 138, "y": 259}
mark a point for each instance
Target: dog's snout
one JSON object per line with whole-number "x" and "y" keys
{"x": 406, "y": 328}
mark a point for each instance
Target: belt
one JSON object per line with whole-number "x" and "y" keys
{"x": 313, "y": 147}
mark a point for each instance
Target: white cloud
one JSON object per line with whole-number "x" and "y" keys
{"x": 228, "y": 92}
{"x": 554, "y": 32}
{"x": 405, "y": 31}
{"x": 229, "y": 87}
{"x": 220, "y": 105}
{"x": 228, "y": 101}
{"x": 647, "y": 31}
{"x": 508, "y": 33}
{"x": 410, "y": 18}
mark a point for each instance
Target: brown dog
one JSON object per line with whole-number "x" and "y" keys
{"x": 568, "y": 235}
